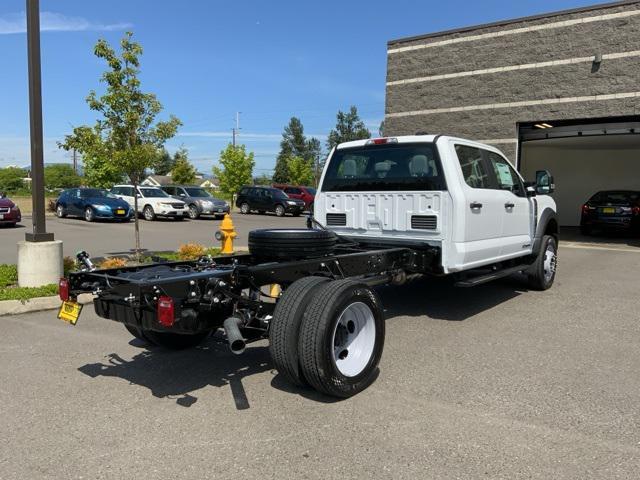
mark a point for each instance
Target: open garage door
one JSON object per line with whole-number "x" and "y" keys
{"x": 583, "y": 158}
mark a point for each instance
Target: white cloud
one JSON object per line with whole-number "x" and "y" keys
{"x": 55, "y": 22}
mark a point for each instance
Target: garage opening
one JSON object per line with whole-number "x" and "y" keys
{"x": 585, "y": 157}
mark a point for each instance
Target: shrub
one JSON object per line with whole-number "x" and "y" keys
{"x": 68, "y": 265}
{"x": 112, "y": 263}
{"x": 191, "y": 251}
{"x": 8, "y": 275}
{"x": 51, "y": 205}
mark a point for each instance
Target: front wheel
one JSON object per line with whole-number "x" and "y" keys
{"x": 342, "y": 338}
{"x": 89, "y": 215}
{"x": 543, "y": 271}
{"x": 193, "y": 212}
{"x": 244, "y": 208}
{"x": 279, "y": 211}
{"x": 148, "y": 213}
{"x": 175, "y": 341}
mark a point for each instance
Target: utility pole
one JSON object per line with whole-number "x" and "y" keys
{"x": 75, "y": 162}
{"x": 236, "y": 129}
{"x": 39, "y": 233}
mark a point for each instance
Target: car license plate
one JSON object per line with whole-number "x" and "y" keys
{"x": 69, "y": 311}
{"x": 608, "y": 210}
{"x": 220, "y": 210}
{"x": 120, "y": 212}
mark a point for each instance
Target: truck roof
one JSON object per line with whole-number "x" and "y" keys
{"x": 412, "y": 139}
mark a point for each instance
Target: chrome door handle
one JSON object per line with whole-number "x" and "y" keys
{"x": 509, "y": 205}
{"x": 475, "y": 205}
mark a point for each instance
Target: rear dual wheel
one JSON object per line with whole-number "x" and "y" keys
{"x": 340, "y": 337}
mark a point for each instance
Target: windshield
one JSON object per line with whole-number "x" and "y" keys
{"x": 389, "y": 167}
{"x": 95, "y": 193}
{"x": 279, "y": 194}
{"x": 616, "y": 197}
{"x": 152, "y": 193}
{"x": 197, "y": 192}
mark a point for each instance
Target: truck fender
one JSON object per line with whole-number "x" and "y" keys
{"x": 547, "y": 225}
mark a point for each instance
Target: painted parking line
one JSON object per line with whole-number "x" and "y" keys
{"x": 591, "y": 246}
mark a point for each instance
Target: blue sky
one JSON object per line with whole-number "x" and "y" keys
{"x": 208, "y": 59}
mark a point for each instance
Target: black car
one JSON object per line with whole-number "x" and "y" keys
{"x": 268, "y": 199}
{"x": 611, "y": 210}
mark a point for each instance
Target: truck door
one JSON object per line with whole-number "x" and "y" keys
{"x": 517, "y": 214}
{"x": 480, "y": 239}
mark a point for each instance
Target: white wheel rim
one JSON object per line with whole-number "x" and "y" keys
{"x": 60, "y": 210}
{"x": 88, "y": 214}
{"x": 550, "y": 262}
{"x": 354, "y": 339}
{"x": 147, "y": 214}
{"x": 245, "y": 208}
{"x": 279, "y": 210}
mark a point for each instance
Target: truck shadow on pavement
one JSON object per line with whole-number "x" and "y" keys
{"x": 438, "y": 299}
{"x": 177, "y": 374}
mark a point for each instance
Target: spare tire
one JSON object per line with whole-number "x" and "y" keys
{"x": 287, "y": 243}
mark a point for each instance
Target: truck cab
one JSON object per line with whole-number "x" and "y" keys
{"x": 461, "y": 197}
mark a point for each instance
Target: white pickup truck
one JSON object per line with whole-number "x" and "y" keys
{"x": 387, "y": 208}
{"x": 458, "y": 196}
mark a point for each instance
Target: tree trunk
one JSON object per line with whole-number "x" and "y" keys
{"x": 136, "y": 220}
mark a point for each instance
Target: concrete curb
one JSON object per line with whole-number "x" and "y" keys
{"x": 15, "y": 307}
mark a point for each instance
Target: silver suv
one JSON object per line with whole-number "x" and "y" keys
{"x": 199, "y": 201}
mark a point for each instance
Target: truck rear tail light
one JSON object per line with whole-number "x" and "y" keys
{"x": 587, "y": 208}
{"x": 165, "y": 311}
{"x": 381, "y": 141}
{"x": 635, "y": 210}
{"x": 63, "y": 289}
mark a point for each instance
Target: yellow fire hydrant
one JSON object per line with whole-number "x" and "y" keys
{"x": 226, "y": 234}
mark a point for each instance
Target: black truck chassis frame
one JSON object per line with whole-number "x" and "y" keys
{"x": 208, "y": 291}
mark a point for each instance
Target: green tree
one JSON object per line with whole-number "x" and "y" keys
{"x": 293, "y": 144}
{"x": 263, "y": 179}
{"x": 348, "y": 127}
{"x": 61, "y": 175}
{"x": 183, "y": 171}
{"x": 126, "y": 139}
{"x": 235, "y": 170}
{"x": 381, "y": 129}
{"x": 300, "y": 171}
{"x": 11, "y": 179}
{"x": 164, "y": 164}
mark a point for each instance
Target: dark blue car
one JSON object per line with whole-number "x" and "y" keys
{"x": 92, "y": 204}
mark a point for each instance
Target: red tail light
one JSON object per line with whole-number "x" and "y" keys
{"x": 635, "y": 210}
{"x": 585, "y": 208}
{"x": 381, "y": 141}
{"x": 165, "y": 311}
{"x": 63, "y": 289}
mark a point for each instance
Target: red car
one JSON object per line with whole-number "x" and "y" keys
{"x": 9, "y": 212}
{"x": 306, "y": 194}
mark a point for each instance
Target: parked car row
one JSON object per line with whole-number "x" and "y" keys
{"x": 9, "y": 212}
{"x": 172, "y": 201}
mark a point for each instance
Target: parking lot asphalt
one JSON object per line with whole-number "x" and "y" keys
{"x": 104, "y": 238}
{"x": 490, "y": 382}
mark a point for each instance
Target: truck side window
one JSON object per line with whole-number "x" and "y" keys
{"x": 473, "y": 166}
{"x": 506, "y": 177}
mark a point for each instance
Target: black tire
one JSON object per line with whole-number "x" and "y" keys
{"x": 244, "y": 209}
{"x": 89, "y": 214}
{"x": 194, "y": 214}
{"x": 279, "y": 211}
{"x": 179, "y": 218}
{"x": 284, "y": 329}
{"x": 296, "y": 214}
{"x": 137, "y": 332}
{"x": 148, "y": 213}
{"x": 291, "y": 243}
{"x": 319, "y": 334}
{"x": 60, "y": 211}
{"x": 176, "y": 341}
{"x": 543, "y": 271}
{"x": 262, "y": 212}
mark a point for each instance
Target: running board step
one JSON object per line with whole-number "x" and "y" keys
{"x": 480, "y": 279}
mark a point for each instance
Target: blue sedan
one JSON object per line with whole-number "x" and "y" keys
{"x": 92, "y": 204}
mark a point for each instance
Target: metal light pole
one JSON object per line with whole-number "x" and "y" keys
{"x": 39, "y": 233}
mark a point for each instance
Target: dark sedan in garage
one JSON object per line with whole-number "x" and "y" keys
{"x": 611, "y": 210}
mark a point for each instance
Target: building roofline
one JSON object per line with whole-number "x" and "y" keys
{"x": 501, "y": 23}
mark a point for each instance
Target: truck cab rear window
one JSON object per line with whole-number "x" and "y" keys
{"x": 393, "y": 167}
